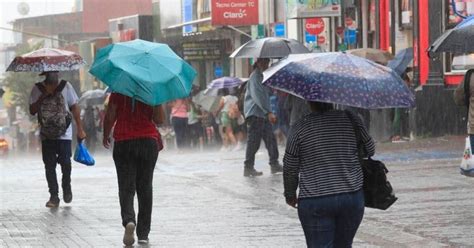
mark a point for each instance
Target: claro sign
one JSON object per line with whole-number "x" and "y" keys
{"x": 234, "y": 12}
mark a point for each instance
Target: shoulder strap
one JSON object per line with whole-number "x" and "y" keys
{"x": 41, "y": 87}
{"x": 61, "y": 86}
{"x": 360, "y": 147}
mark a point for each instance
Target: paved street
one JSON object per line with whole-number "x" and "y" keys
{"x": 201, "y": 199}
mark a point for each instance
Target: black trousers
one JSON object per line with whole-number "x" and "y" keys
{"x": 258, "y": 129}
{"x": 135, "y": 162}
{"x": 57, "y": 152}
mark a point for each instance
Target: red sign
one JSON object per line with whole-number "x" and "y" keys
{"x": 234, "y": 12}
{"x": 321, "y": 40}
{"x": 314, "y": 26}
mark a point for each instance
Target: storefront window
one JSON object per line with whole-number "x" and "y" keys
{"x": 406, "y": 14}
{"x": 458, "y": 63}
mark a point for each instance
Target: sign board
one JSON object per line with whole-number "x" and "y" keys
{"x": 350, "y": 36}
{"x": 187, "y": 15}
{"x": 309, "y": 37}
{"x": 203, "y": 50}
{"x": 234, "y": 12}
{"x": 321, "y": 39}
{"x": 218, "y": 72}
{"x": 280, "y": 30}
{"x": 313, "y": 8}
{"x": 315, "y": 25}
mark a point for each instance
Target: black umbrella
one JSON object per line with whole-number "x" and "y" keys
{"x": 270, "y": 47}
{"x": 456, "y": 40}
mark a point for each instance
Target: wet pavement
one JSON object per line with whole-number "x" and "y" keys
{"x": 201, "y": 199}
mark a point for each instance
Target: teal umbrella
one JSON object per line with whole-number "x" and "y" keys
{"x": 149, "y": 72}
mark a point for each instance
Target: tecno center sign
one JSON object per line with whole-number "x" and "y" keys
{"x": 234, "y": 12}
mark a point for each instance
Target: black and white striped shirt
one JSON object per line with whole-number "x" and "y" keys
{"x": 321, "y": 155}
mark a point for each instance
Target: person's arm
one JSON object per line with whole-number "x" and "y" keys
{"x": 76, "y": 114}
{"x": 158, "y": 115}
{"x": 367, "y": 141}
{"x": 109, "y": 122}
{"x": 259, "y": 94}
{"x": 34, "y": 107}
{"x": 291, "y": 169}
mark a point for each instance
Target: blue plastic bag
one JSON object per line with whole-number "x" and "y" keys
{"x": 82, "y": 155}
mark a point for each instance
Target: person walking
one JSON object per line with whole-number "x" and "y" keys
{"x": 137, "y": 143}
{"x": 179, "y": 120}
{"x": 464, "y": 96}
{"x": 321, "y": 158}
{"x": 56, "y": 104}
{"x": 259, "y": 119}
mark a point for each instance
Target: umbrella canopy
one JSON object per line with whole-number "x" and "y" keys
{"x": 92, "y": 97}
{"x": 225, "y": 82}
{"x": 149, "y": 72}
{"x": 376, "y": 55}
{"x": 224, "y": 86}
{"x": 208, "y": 103}
{"x": 456, "y": 40}
{"x": 339, "y": 78}
{"x": 400, "y": 63}
{"x": 47, "y": 59}
{"x": 270, "y": 47}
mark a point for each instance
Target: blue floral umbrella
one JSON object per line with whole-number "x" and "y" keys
{"x": 339, "y": 78}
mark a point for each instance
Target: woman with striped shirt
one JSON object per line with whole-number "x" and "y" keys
{"x": 321, "y": 159}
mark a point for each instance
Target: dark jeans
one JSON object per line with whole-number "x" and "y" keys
{"x": 54, "y": 152}
{"x": 135, "y": 162}
{"x": 258, "y": 129}
{"x": 180, "y": 126}
{"x": 331, "y": 221}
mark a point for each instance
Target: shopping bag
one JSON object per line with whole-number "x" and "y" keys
{"x": 82, "y": 155}
{"x": 467, "y": 163}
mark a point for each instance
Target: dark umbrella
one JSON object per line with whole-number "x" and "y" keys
{"x": 270, "y": 47}
{"x": 339, "y": 78}
{"x": 456, "y": 40}
{"x": 400, "y": 63}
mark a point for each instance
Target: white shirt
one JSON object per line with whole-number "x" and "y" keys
{"x": 229, "y": 100}
{"x": 70, "y": 98}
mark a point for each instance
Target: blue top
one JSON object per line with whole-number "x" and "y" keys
{"x": 257, "y": 96}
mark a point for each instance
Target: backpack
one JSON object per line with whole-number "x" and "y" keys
{"x": 53, "y": 117}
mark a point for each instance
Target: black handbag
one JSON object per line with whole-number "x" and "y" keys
{"x": 378, "y": 191}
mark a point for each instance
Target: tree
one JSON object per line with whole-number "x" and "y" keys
{"x": 20, "y": 83}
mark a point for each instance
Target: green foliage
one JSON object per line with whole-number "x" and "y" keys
{"x": 21, "y": 83}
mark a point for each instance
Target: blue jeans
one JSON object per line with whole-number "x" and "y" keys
{"x": 331, "y": 221}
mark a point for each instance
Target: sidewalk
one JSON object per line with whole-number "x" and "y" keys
{"x": 202, "y": 200}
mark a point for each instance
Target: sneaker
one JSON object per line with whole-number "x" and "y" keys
{"x": 251, "y": 172}
{"x": 238, "y": 147}
{"x": 277, "y": 168}
{"x": 128, "y": 238}
{"x": 67, "y": 197}
{"x": 53, "y": 202}
{"x": 143, "y": 241}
